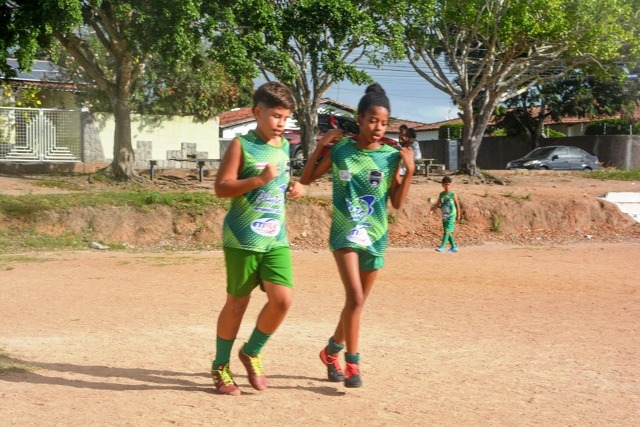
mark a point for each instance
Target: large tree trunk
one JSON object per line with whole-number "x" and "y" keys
{"x": 123, "y": 154}
{"x": 308, "y": 122}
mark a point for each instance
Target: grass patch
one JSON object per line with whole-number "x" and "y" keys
{"x": 612, "y": 174}
{"x": 496, "y": 222}
{"x": 9, "y": 364}
{"x": 29, "y": 207}
{"x": 512, "y": 195}
{"x": 62, "y": 185}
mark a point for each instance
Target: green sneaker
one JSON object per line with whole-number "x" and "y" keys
{"x": 223, "y": 380}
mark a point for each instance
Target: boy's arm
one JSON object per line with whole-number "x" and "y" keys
{"x": 314, "y": 169}
{"x": 458, "y": 210}
{"x": 400, "y": 185}
{"x": 434, "y": 207}
{"x": 227, "y": 183}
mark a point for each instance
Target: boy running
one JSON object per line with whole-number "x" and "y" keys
{"x": 254, "y": 174}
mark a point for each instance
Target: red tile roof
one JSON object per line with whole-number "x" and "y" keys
{"x": 236, "y": 116}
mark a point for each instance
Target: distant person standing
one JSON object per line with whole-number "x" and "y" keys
{"x": 451, "y": 213}
{"x": 413, "y": 143}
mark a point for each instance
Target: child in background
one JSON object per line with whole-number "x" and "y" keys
{"x": 451, "y": 212}
{"x": 253, "y": 173}
{"x": 366, "y": 175}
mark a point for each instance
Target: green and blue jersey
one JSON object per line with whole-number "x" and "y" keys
{"x": 361, "y": 183}
{"x": 256, "y": 220}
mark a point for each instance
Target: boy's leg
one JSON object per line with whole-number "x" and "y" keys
{"x": 277, "y": 282}
{"x": 443, "y": 245}
{"x": 228, "y": 325}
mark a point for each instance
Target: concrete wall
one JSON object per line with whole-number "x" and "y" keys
{"x": 619, "y": 151}
{"x": 159, "y": 138}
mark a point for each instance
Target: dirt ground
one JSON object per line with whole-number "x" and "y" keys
{"x": 497, "y": 334}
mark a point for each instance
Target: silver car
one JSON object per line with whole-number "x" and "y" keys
{"x": 556, "y": 157}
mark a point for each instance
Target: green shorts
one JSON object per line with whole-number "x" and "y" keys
{"x": 449, "y": 226}
{"x": 367, "y": 261}
{"x": 248, "y": 269}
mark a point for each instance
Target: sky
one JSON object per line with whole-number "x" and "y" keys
{"x": 411, "y": 96}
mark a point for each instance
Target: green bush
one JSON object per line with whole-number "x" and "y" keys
{"x": 452, "y": 131}
{"x": 552, "y": 133}
{"x": 613, "y": 127}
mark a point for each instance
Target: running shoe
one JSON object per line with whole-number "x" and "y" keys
{"x": 440, "y": 249}
{"x": 453, "y": 250}
{"x": 352, "y": 376}
{"x": 257, "y": 379}
{"x": 334, "y": 370}
{"x": 223, "y": 380}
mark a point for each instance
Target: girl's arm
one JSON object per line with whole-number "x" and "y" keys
{"x": 458, "y": 210}
{"x": 400, "y": 185}
{"x": 314, "y": 169}
{"x": 227, "y": 183}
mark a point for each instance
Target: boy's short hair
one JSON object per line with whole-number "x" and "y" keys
{"x": 446, "y": 179}
{"x": 274, "y": 94}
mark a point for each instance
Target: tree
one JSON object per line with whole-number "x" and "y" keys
{"x": 117, "y": 44}
{"x": 484, "y": 52}
{"x": 575, "y": 94}
{"x": 309, "y": 45}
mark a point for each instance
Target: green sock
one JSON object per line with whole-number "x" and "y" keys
{"x": 352, "y": 358}
{"x": 257, "y": 340}
{"x": 223, "y": 351}
{"x": 333, "y": 347}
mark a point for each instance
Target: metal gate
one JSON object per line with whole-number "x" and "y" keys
{"x": 40, "y": 135}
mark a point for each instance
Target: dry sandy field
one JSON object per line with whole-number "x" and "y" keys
{"x": 493, "y": 335}
{"x": 499, "y": 334}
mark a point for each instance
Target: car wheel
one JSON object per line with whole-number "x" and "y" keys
{"x": 544, "y": 168}
{"x": 586, "y": 168}
{"x": 298, "y": 159}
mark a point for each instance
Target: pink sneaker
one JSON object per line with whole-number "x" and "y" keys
{"x": 257, "y": 379}
{"x": 334, "y": 370}
{"x": 223, "y": 381}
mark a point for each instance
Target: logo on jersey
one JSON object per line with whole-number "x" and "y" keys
{"x": 361, "y": 209}
{"x": 375, "y": 178}
{"x": 359, "y": 235}
{"x": 266, "y": 227}
{"x": 270, "y": 201}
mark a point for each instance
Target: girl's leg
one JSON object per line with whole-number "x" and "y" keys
{"x": 357, "y": 285}
{"x": 451, "y": 240}
{"x": 443, "y": 245}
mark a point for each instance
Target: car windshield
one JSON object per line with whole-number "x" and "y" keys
{"x": 539, "y": 153}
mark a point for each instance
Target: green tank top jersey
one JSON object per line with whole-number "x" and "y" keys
{"x": 361, "y": 183}
{"x": 448, "y": 206}
{"x": 256, "y": 220}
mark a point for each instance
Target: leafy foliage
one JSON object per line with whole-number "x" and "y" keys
{"x": 613, "y": 127}
{"x": 484, "y": 52}
{"x": 450, "y": 131}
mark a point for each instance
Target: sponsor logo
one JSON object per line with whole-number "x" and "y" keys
{"x": 361, "y": 209}
{"x": 359, "y": 235}
{"x": 266, "y": 227}
{"x": 344, "y": 175}
{"x": 270, "y": 202}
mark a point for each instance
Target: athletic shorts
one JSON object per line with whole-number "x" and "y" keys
{"x": 366, "y": 260}
{"x": 248, "y": 269}
{"x": 449, "y": 226}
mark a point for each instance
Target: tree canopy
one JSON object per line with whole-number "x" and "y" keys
{"x": 309, "y": 45}
{"x": 137, "y": 53}
{"x": 484, "y": 52}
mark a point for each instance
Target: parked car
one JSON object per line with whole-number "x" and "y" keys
{"x": 326, "y": 122}
{"x": 556, "y": 157}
